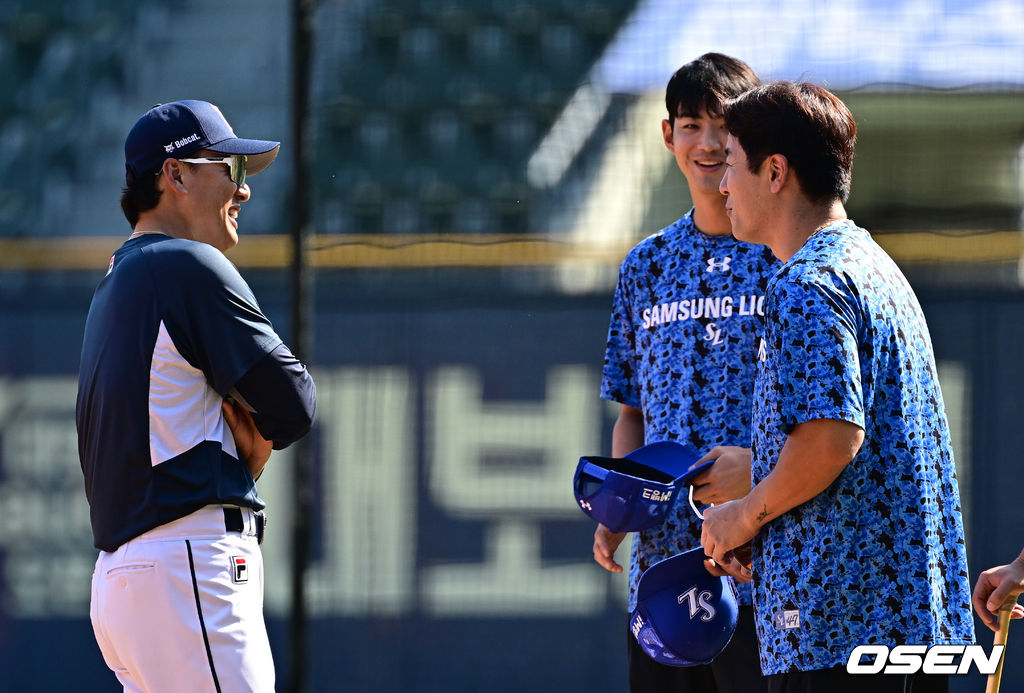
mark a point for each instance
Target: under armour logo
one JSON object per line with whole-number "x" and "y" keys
{"x": 719, "y": 265}
{"x": 585, "y": 505}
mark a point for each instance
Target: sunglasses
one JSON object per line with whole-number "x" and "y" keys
{"x": 235, "y": 162}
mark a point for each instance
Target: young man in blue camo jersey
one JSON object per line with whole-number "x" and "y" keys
{"x": 855, "y": 511}
{"x": 681, "y": 355}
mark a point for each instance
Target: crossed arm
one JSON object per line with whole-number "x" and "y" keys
{"x": 253, "y": 448}
{"x": 270, "y": 407}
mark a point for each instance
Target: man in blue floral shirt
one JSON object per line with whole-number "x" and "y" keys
{"x": 855, "y": 512}
{"x": 681, "y": 356}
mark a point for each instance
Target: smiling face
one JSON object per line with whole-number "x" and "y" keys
{"x": 214, "y": 203}
{"x": 746, "y": 194}
{"x": 697, "y": 141}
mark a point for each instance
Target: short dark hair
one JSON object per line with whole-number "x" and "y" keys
{"x": 140, "y": 194}
{"x": 807, "y": 124}
{"x": 705, "y": 84}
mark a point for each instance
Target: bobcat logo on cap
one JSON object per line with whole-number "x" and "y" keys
{"x": 177, "y": 144}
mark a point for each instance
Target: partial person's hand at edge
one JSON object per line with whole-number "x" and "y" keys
{"x": 994, "y": 586}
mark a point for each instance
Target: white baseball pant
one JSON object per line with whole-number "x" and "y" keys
{"x": 180, "y": 608}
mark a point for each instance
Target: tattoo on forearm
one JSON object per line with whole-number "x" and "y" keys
{"x": 763, "y": 514}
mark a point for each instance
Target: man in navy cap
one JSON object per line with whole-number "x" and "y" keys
{"x": 184, "y": 389}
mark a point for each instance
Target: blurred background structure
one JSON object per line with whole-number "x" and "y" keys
{"x": 479, "y": 168}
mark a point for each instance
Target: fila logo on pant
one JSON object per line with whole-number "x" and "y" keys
{"x": 239, "y": 569}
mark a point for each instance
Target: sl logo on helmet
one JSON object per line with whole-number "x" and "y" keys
{"x": 698, "y": 603}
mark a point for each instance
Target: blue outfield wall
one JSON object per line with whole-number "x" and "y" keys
{"x": 448, "y": 554}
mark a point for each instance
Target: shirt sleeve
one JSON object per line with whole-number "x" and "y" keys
{"x": 815, "y": 325}
{"x": 619, "y": 376}
{"x": 281, "y": 395}
{"x": 212, "y": 315}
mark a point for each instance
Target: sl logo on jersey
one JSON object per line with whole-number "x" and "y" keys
{"x": 713, "y": 334}
{"x": 719, "y": 265}
{"x": 239, "y": 569}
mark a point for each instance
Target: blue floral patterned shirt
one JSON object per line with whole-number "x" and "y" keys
{"x": 682, "y": 346}
{"x": 878, "y": 557}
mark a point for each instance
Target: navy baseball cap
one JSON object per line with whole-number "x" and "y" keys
{"x": 627, "y": 494}
{"x": 177, "y": 129}
{"x": 684, "y": 615}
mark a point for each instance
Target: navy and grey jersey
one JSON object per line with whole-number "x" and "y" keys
{"x": 173, "y": 329}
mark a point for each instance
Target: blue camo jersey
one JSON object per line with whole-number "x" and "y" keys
{"x": 682, "y": 346}
{"x": 878, "y": 557}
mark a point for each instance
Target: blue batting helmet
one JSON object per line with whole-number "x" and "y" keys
{"x": 684, "y": 615}
{"x": 632, "y": 493}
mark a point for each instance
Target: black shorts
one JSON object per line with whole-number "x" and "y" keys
{"x": 736, "y": 670}
{"x": 838, "y": 680}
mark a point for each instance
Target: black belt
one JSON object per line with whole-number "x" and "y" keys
{"x": 233, "y": 522}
